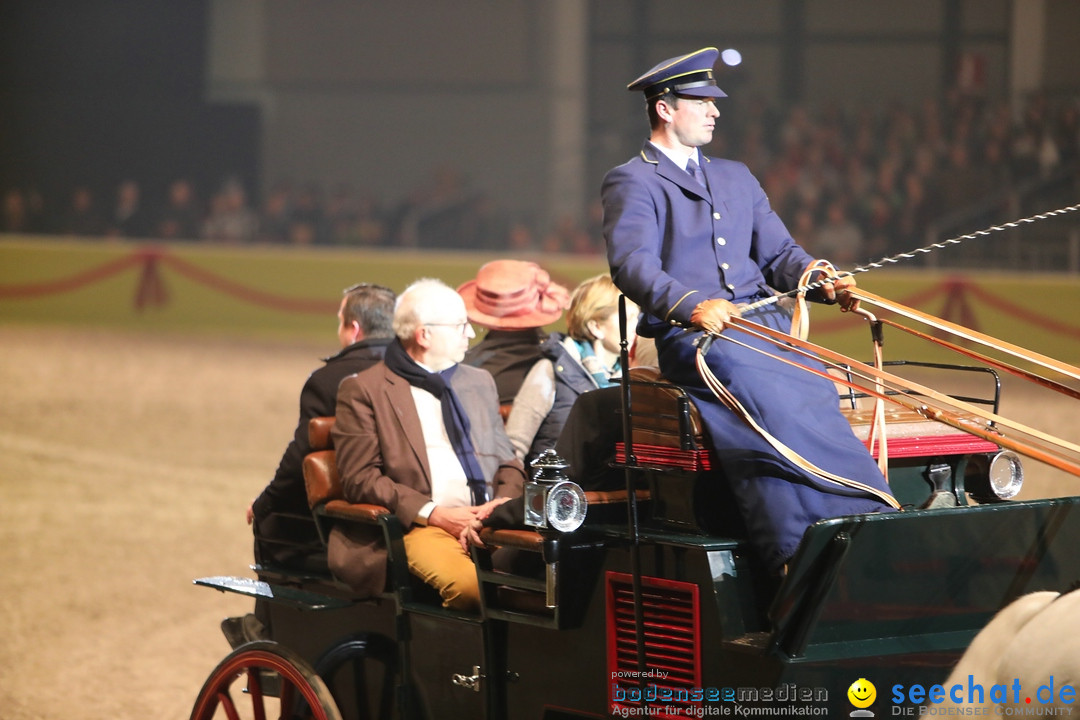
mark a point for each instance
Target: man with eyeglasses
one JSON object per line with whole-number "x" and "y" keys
{"x": 421, "y": 434}
{"x": 285, "y": 534}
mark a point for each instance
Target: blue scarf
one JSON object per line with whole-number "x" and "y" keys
{"x": 453, "y": 414}
{"x": 594, "y": 367}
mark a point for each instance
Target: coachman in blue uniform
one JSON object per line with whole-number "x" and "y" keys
{"x": 689, "y": 239}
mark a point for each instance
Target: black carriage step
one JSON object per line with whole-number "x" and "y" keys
{"x": 294, "y": 575}
{"x": 751, "y": 641}
{"x": 291, "y": 597}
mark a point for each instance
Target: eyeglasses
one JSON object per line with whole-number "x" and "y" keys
{"x": 462, "y": 327}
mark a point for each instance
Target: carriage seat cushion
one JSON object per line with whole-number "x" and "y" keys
{"x": 512, "y": 538}
{"x": 323, "y": 486}
{"x": 903, "y": 422}
{"x": 319, "y": 433}
{"x": 655, "y": 420}
{"x": 321, "y": 479}
{"x": 654, "y": 406}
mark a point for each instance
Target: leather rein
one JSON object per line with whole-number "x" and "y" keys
{"x": 924, "y": 401}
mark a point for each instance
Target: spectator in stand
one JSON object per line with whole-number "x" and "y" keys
{"x": 276, "y": 219}
{"x": 1067, "y": 133}
{"x": 307, "y": 222}
{"x": 370, "y": 229}
{"x": 82, "y": 217}
{"x": 129, "y": 218}
{"x": 804, "y": 230}
{"x": 878, "y": 227}
{"x": 961, "y": 182}
{"x": 342, "y": 213}
{"x": 436, "y": 213}
{"x": 285, "y": 535}
{"x": 181, "y": 218}
{"x": 568, "y": 236}
{"x": 15, "y": 217}
{"x": 838, "y": 238}
{"x": 1026, "y": 151}
{"x": 36, "y": 216}
{"x": 858, "y": 182}
{"x": 995, "y": 165}
{"x": 514, "y": 300}
{"x": 519, "y": 237}
{"x": 887, "y": 183}
{"x": 231, "y": 220}
{"x": 915, "y": 214}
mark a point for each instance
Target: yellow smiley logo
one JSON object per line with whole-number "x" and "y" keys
{"x": 862, "y": 693}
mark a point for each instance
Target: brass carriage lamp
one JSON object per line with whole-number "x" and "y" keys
{"x": 552, "y": 500}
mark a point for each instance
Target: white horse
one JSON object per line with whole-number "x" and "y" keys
{"x": 1027, "y": 656}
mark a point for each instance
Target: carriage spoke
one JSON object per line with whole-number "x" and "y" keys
{"x": 226, "y": 702}
{"x": 258, "y": 705}
{"x": 287, "y": 699}
{"x": 302, "y": 691}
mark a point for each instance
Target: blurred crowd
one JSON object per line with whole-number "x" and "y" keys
{"x": 866, "y": 184}
{"x": 851, "y": 184}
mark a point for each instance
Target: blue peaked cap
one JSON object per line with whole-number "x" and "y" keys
{"x": 690, "y": 75}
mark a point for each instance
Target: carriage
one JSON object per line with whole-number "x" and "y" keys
{"x": 647, "y": 600}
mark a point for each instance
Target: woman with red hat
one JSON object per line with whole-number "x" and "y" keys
{"x": 514, "y": 300}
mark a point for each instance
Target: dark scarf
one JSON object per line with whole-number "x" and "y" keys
{"x": 453, "y": 414}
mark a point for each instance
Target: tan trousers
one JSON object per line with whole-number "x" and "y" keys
{"x": 435, "y": 557}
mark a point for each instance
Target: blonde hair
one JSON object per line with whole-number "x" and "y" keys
{"x": 594, "y": 299}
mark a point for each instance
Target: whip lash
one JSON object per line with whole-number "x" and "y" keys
{"x": 908, "y": 255}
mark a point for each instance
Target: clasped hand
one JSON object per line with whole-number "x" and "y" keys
{"x": 464, "y": 523}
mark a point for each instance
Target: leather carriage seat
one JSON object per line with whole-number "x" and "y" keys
{"x": 655, "y": 417}
{"x": 904, "y": 423}
{"x": 661, "y": 413}
{"x": 663, "y": 416}
{"x": 320, "y": 466}
{"x": 319, "y": 433}
{"x": 322, "y": 481}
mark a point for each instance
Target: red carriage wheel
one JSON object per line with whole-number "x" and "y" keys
{"x": 263, "y": 681}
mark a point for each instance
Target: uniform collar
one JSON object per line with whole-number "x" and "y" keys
{"x": 669, "y": 169}
{"x": 677, "y": 158}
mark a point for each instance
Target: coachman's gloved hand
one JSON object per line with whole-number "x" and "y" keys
{"x": 839, "y": 291}
{"x": 836, "y": 290}
{"x": 712, "y": 316}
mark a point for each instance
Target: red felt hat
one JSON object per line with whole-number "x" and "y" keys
{"x": 513, "y": 295}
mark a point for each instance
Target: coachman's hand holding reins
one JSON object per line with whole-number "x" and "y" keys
{"x": 713, "y": 315}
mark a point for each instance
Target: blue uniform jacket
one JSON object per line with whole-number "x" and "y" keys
{"x": 672, "y": 244}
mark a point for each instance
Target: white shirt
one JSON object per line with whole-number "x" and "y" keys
{"x": 449, "y": 485}
{"x": 679, "y": 159}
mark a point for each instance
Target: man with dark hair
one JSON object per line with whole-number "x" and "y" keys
{"x": 691, "y": 239}
{"x": 285, "y": 534}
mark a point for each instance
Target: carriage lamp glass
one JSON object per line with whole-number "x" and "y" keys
{"x": 1006, "y": 474}
{"x": 551, "y": 499}
{"x": 995, "y": 478}
{"x": 565, "y": 506}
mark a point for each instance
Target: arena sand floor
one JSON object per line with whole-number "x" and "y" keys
{"x": 126, "y": 463}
